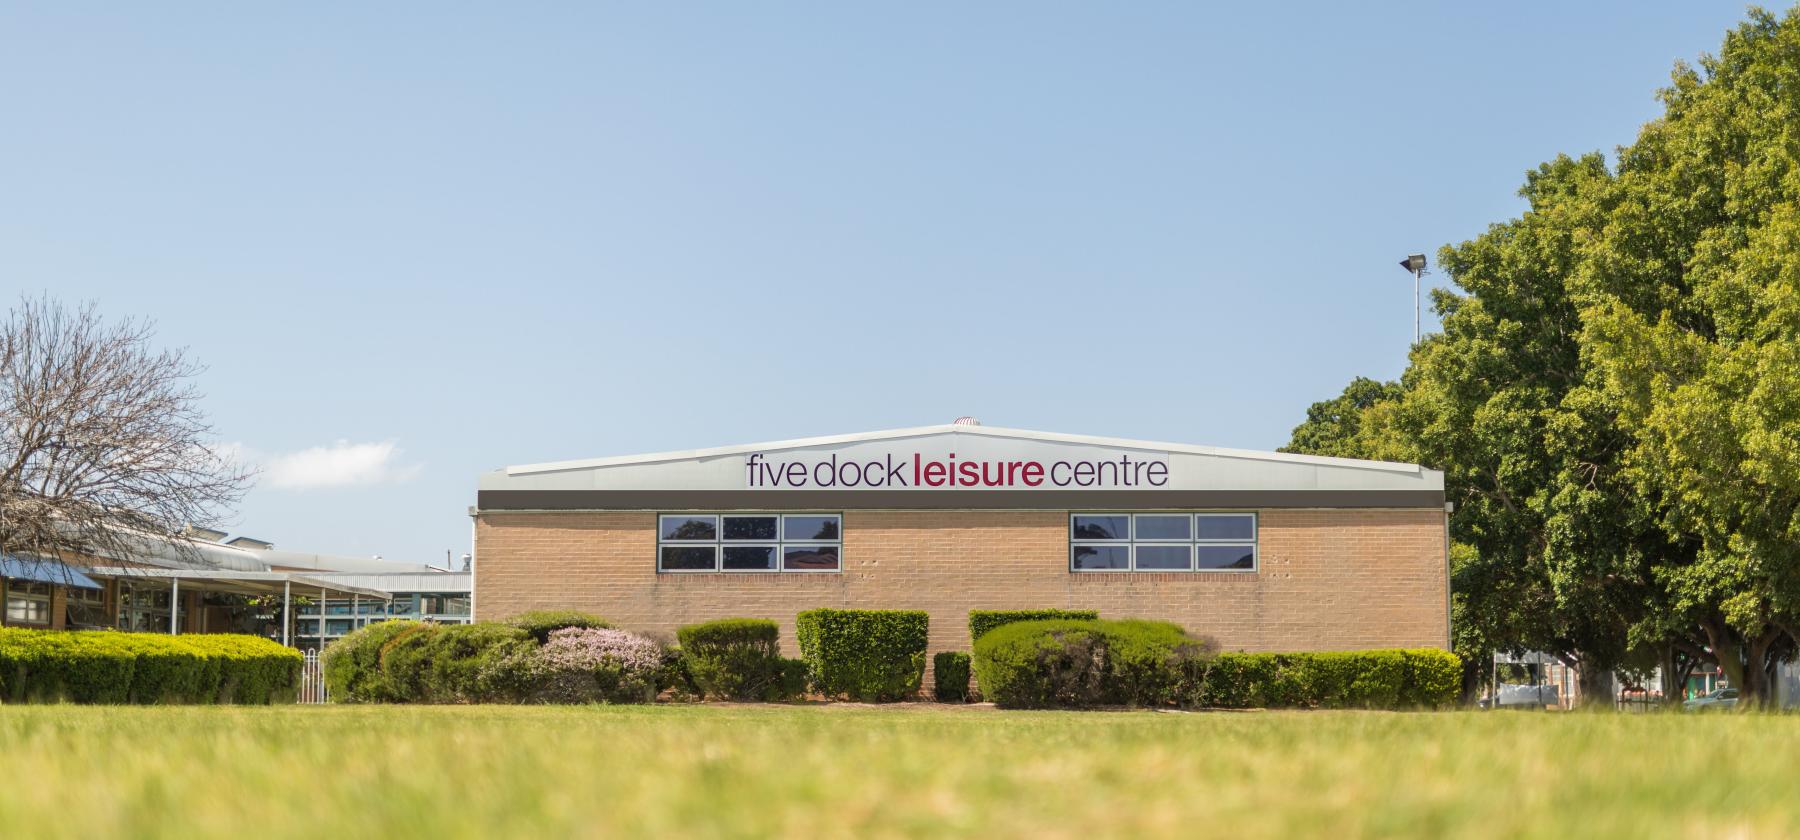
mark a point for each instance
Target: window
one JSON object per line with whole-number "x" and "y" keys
{"x": 749, "y": 542}
{"x": 142, "y": 608}
{"x": 27, "y": 602}
{"x": 1162, "y": 542}
{"x": 86, "y": 609}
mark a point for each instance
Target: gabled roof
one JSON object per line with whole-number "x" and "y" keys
{"x": 1051, "y": 469}
{"x": 959, "y": 429}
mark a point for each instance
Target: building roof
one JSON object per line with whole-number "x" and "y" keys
{"x": 404, "y": 581}
{"x": 748, "y": 476}
{"x": 958, "y": 429}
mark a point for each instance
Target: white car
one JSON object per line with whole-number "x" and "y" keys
{"x": 1719, "y": 699}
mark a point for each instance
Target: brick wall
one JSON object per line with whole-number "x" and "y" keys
{"x": 1328, "y": 579}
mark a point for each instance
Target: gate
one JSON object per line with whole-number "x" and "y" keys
{"x": 312, "y": 679}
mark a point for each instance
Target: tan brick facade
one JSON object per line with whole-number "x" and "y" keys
{"x": 1337, "y": 579}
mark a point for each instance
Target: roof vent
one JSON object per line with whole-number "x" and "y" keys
{"x": 965, "y": 421}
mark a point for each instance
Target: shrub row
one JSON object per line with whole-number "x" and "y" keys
{"x": 868, "y": 655}
{"x": 981, "y": 621}
{"x": 1082, "y": 664}
{"x": 1422, "y": 678}
{"x": 111, "y": 667}
{"x": 1067, "y": 663}
{"x": 581, "y": 659}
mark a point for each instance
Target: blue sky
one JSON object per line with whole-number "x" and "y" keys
{"x": 416, "y": 242}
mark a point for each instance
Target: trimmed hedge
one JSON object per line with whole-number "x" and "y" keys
{"x": 1370, "y": 679}
{"x": 869, "y": 655}
{"x": 981, "y": 621}
{"x": 541, "y": 623}
{"x": 105, "y": 666}
{"x": 950, "y": 676}
{"x": 1080, "y": 664}
{"x": 1064, "y": 663}
{"x": 739, "y": 659}
{"x": 353, "y": 672}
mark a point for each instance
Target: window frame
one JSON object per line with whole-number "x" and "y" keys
{"x": 47, "y": 598}
{"x": 1194, "y": 542}
{"x": 719, "y": 543}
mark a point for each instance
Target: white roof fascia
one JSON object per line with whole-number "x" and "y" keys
{"x": 230, "y": 574}
{"x": 989, "y": 431}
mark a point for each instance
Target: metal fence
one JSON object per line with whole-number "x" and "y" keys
{"x": 312, "y": 679}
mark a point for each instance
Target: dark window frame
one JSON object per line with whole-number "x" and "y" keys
{"x": 780, "y": 544}
{"x": 1131, "y": 542}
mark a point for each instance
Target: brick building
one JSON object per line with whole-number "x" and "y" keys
{"x": 1263, "y": 551}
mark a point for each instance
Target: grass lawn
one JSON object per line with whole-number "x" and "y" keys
{"x": 845, "y": 771}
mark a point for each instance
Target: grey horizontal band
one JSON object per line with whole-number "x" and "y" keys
{"x": 499, "y": 500}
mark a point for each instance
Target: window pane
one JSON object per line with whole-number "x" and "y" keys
{"x": 1101, "y": 556}
{"x": 1164, "y": 557}
{"x": 758, "y": 557}
{"x": 806, "y": 558}
{"x": 337, "y": 626}
{"x": 1237, "y": 526}
{"x": 811, "y": 527}
{"x": 690, "y": 527}
{"x": 1227, "y": 556}
{"x": 750, "y": 528}
{"x": 306, "y": 626}
{"x": 1101, "y": 527}
{"x": 687, "y": 558}
{"x": 1164, "y": 527}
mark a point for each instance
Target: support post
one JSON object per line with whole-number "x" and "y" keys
{"x": 174, "y": 605}
{"x": 287, "y": 611}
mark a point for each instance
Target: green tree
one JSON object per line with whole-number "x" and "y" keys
{"x": 1334, "y": 427}
{"x": 1691, "y": 294}
{"x": 1553, "y": 543}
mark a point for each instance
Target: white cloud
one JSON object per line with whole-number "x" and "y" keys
{"x": 339, "y": 464}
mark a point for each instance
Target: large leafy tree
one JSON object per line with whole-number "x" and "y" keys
{"x": 1691, "y": 288}
{"x": 1554, "y": 545}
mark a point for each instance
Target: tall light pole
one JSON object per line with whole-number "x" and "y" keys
{"x": 1415, "y": 264}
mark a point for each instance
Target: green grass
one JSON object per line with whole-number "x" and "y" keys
{"x": 844, "y": 771}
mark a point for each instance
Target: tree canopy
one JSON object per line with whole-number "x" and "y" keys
{"x": 1615, "y": 396}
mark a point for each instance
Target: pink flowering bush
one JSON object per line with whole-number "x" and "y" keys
{"x": 588, "y": 665}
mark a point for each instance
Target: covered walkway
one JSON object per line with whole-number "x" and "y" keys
{"x": 189, "y": 609}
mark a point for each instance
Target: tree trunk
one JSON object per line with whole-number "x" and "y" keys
{"x": 1675, "y": 668}
{"x": 1475, "y": 678}
{"x": 1596, "y": 687}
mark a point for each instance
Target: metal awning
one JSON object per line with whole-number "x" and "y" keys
{"x": 44, "y": 570}
{"x": 231, "y": 579}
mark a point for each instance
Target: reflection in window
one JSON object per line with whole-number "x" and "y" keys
{"x": 1101, "y": 557}
{"x": 1162, "y": 542}
{"x": 1227, "y": 556}
{"x": 810, "y": 558}
{"x": 687, "y": 558}
{"x": 749, "y": 542}
{"x": 749, "y": 558}
{"x": 1102, "y": 527}
{"x": 750, "y": 528}
{"x": 690, "y": 528}
{"x": 811, "y": 527}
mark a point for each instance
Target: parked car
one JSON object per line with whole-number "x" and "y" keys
{"x": 1524, "y": 697}
{"x": 1717, "y": 700}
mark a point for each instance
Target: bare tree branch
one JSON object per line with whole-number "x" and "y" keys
{"x": 103, "y": 448}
